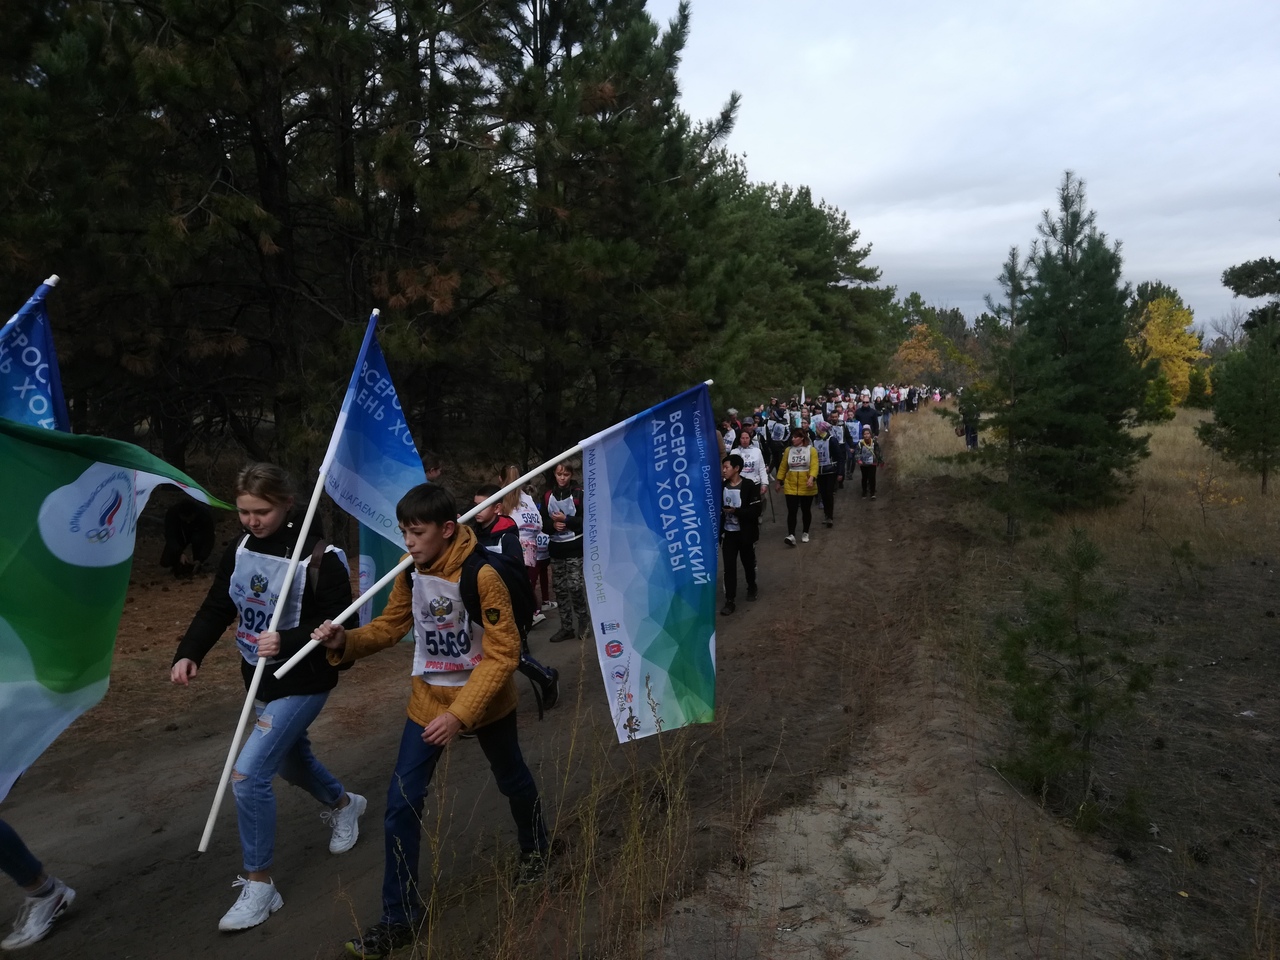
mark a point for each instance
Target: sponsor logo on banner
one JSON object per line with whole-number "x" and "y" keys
{"x": 608, "y": 626}
{"x": 620, "y": 675}
{"x": 90, "y": 522}
{"x": 613, "y": 649}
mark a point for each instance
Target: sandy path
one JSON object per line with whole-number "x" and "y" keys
{"x": 887, "y": 835}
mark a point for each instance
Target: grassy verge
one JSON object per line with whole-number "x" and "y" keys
{"x": 1187, "y": 778}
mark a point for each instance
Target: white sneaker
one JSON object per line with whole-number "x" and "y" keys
{"x": 804, "y": 538}
{"x": 789, "y": 540}
{"x": 36, "y": 917}
{"x": 538, "y": 618}
{"x": 257, "y": 902}
{"x": 345, "y": 823}
{"x": 551, "y": 603}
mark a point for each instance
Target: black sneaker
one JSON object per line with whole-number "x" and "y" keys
{"x": 560, "y": 636}
{"x": 752, "y": 593}
{"x": 551, "y": 691}
{"x": 380, "y": 939}
{"x": 531, "y": 869}
{"x": 729, "y": 607}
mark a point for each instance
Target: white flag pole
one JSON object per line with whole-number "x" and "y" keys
{"x": 408, "y": 561}
{"x": 261, "y": 665}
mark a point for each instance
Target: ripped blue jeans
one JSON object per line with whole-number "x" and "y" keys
{"x": 277, "y": 744}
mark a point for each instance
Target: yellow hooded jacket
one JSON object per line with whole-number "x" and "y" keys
{"x": 489, "y": 693}
{"x": 796, "y": 482}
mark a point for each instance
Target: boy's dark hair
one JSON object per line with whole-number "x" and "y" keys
{"x": 735, "y": 461}
{"x": 427, "y": 503}
{"x": 487, "y": 490}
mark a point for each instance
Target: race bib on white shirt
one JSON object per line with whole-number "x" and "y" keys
{"x": 824, "y": 452}
{"x": 529, "y": 522}
{"x": 798, "y": 459}
{"x": 255, "y": 590}
{"x": 446, "y": 644}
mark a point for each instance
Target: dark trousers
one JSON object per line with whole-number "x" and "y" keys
{"x": 827, "y": 494}
{"x": 19, "y": 862}
{"x": 868, "y": 478}
{"x": 733, "y": 546}
{"x": 803, "y": 503}
{"x": 775, "y": 453}
{"x": 401, "y": 901}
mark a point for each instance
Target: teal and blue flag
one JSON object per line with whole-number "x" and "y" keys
{"x": 372, "y": 461}
{"x": 651, "y": 528}
{"x": 30, "y": 385}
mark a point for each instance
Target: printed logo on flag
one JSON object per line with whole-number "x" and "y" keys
{"x": 608, "y": 626}
{"x": 91, "y": 521}
{"x": 613, "y": 649}
{"x": 620, "y": 675}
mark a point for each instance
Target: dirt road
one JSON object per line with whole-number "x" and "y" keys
{"x": 816, "y": 680}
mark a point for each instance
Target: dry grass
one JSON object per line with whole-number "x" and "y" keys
{"x": 1194, "y": 545}
{"x": 919, "y": 439}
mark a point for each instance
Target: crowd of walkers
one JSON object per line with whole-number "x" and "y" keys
{"x": 470, "y": 599}
{"x": 807, "y": 448}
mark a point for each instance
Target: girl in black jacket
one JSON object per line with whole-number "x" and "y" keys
{"x": 245, "y": 591}
{"x": 739, "y": 530}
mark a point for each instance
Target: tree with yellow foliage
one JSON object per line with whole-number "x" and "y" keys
{"x": 917, "y": 358}
{"x": 1166, "y": 336}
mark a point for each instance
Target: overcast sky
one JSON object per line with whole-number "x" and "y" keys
{"x": 943, "y": 129}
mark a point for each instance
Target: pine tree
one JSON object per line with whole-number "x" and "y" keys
{"x": 1246, "y": 401}
{"x": 1197, "y": 389}
{"x": 1073, "y": 441}
{"x": 1068, "y": 671}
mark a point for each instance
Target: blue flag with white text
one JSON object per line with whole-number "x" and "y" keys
{"x": 30, "y": 385}
{"x": 651, "y": 530}
{"x": 372, "y": 460}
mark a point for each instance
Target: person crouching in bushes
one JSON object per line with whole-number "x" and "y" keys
{"x": 562, "y": 518}
{"x": 796, "y": 478}
{"x": 463, "y": 662}
{"x": 739, "y": 530}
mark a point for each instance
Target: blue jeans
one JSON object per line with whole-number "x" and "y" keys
{"x": 278, "y": 744}
{"x": 401, "y": 901}
{"x": 15, "y": 859}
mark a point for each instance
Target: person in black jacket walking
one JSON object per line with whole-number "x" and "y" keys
{"x": 562, "y": 516}
{"x": 246, "y": 588}
{"x": 739, "y": 530}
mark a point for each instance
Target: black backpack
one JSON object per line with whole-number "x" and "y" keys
{"x": 545, "y": 680}
{"x": 523, "y": 603}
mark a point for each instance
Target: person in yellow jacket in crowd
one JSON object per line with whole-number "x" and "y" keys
{"x": 466, "y": 648}
{"x": 797, "y": 478}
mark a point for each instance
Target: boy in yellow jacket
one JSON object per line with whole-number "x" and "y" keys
{"x": 463, "y": 661}
{"x": 797, "y": 478}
